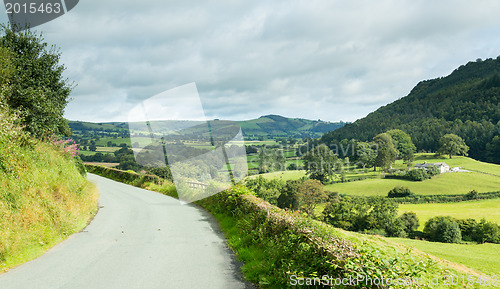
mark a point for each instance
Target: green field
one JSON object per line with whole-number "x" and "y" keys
{"x": 487, "y": 209}
{"x": 443, "y": 184}
{"x": 484, "y": 258}
{"x": 288, "y": 175}
{"x": 462, "y": 162}
{"x": 103, "y": 141}
{"x": 484, "y": 177}
{"x": 107, "y": 149}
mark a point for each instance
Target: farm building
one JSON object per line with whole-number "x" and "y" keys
{"x": 442, "y": 167}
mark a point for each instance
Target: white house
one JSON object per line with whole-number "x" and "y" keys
{"x": 442, "y": 167}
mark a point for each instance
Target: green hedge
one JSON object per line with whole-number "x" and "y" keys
{"x": 292, "y": 244}
{"x": 423, "y": 199}
{"x": 127, "y": 177}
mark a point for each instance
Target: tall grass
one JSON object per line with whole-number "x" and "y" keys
{"x": 43, "y": 196}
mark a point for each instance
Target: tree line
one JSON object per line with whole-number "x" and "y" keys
{"x": 465, "y": 103}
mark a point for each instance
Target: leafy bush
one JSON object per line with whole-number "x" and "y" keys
{"x": 396, "y": 228}
{"x": 417, "y": 175}
{"x": 277, "y": 244}
{"x": 422, "y": 199}
{"x": 432, "y": 171}
{"x": 467, "y": 227}
{"x": 268, "y": 190}
{"x": 472, "y": 195}
{"x": 486, "y": 231}
{"x": 410, "y": 221}
{"x": 400, "y": 192}
{"x": 363, "y": 214}
{"x": 443, "y": 229}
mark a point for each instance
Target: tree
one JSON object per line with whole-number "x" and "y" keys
{"x": 400, "y": 192}
{"x": 290, "y": 195}
{"x": 452, "y": 144}
{"x": 365, "y": 154}
{"x": 37, "y": 90}
{"x": 320, "y": 163}
{"x": 493, "y": 150}
{"x": 92, "y": 147}
{"x": 387, "y": 153}
{"x": 405, "y": 147}
{"x": 383, "y": 212}
{"x": 410, "y": 221}
{"x": 486, "y": 232}
{"x": 311, "y": 195}
{"x": 348, "y": 214}
{"x": 443, "y": 229}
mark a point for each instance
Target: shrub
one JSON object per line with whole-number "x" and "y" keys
{"x": 443, "y": 229}
{"x": 467, "y": 227}
{"x": 432, "y": 171}
{"x": 410, "y": 221}
{"x": 400, "y": 192}
{"x": 472, "y": 195}
{"x": 486, "y": 232}
{"x": 417, "y": 175}
{"x": 396, "y": 228}
{"x": 268, "y": 190}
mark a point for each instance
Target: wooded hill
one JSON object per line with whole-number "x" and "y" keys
{"x": 466, "y": 103}
{"x": 269, "y": 126}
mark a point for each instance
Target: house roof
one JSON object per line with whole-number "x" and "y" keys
{"x": 425, "y": 165}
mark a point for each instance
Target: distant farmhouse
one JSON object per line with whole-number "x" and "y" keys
{"x": 442, "y": 167}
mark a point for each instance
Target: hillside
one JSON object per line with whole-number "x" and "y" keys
{"x": 269, "y": 126}
{"x": 275, "y": 125}
{"x": 44, "y": 196}
{"x": 466, "y": 103}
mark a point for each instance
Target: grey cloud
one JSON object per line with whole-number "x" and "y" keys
{"x": 318, "y": 59}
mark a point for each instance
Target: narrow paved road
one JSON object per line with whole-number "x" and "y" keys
{"x": 139, "y": 239}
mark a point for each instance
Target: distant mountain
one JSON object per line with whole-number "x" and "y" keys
{"x": 279, "y": 126}
{"x": 466, "y": 103}
{"x": 269, "y": 126}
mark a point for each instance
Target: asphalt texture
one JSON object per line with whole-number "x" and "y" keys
{"x": 138, "y": 239}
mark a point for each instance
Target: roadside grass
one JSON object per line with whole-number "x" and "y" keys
{"x": 44, "y": 201}
{"x": 270, "y": 267}
{"x": 480, "y": 257}
{"x": 487, "y": 209}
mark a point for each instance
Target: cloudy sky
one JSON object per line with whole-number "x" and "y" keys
{"x": 329, "y": 60}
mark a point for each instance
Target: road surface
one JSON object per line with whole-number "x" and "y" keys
{"x": 138, "y": 239}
